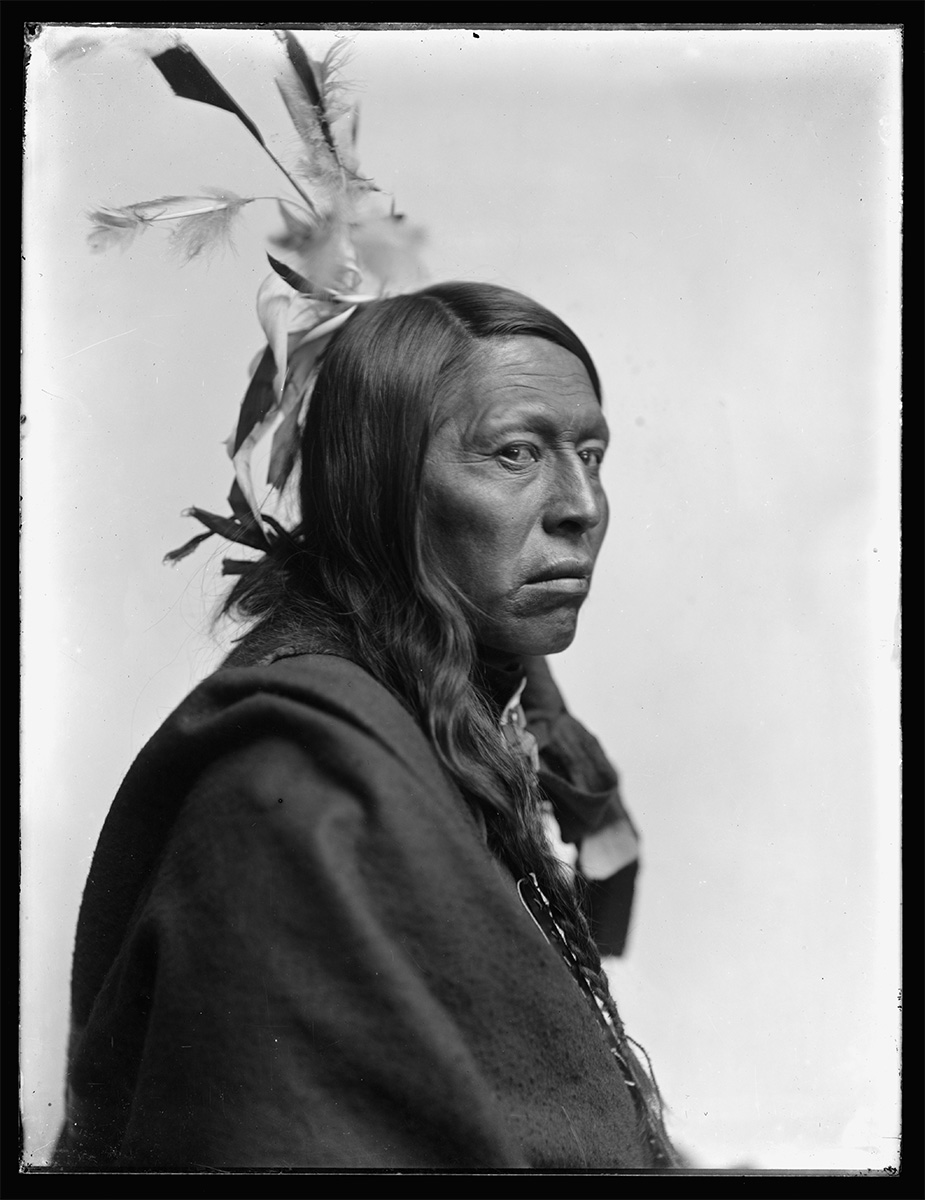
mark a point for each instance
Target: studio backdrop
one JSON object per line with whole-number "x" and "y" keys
{"x": 716, "y": 213}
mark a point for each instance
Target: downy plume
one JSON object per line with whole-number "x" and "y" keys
{"x": 329, "y": 73}
{"x": 388, "y": 249}
{"x": 209, "y": 229}
{"x": 203, "y": 221}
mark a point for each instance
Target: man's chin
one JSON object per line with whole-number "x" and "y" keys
{"x": 535, "y": 637}
{"x": 555, "y": 645}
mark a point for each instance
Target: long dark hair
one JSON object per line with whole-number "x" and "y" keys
{"x": 359, "y": 565}
{"x": 359, "y": 571}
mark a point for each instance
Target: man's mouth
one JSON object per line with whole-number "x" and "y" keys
{"x": 568, "y": 570}
{"x": 569, "y": 577}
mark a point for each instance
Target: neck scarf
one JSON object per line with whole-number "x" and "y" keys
{"x": 580, "y": 787}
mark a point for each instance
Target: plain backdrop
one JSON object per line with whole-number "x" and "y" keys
{"x": 716, "y": 213}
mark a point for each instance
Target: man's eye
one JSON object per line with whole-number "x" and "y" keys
{"x": 592, "y": 455}
{"x": 519, "y": 453}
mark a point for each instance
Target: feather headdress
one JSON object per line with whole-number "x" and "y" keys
{"x": 343, "y": 249}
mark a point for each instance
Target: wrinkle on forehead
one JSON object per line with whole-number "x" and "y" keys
{"x": 527, "y": 356}
{"x": 524, "y": 364}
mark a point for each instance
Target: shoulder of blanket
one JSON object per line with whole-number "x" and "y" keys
{"x": 323, "y": 682}
{"x": 292, "y": 696}
{"x": 314, "y": 730}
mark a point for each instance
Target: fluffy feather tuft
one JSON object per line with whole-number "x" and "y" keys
{"x": 335, "y": 90}
{"x": 204, "y": 222}
{"x": 210, "y": 230}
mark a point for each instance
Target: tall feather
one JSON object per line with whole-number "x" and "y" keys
{"x": 318, "y": 165}
{"x": 191, "y": 79}
{"x": 303, "y": 68}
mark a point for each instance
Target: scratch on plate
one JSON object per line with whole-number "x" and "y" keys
{"x": 100, "y": 343}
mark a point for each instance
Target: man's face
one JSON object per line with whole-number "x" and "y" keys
{"x": 515, "y": 510}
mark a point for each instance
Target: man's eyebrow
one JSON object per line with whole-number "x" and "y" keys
{"x": 539, "y": 421}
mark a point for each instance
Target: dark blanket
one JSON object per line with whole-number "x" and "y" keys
{"x": 295, "y": 950}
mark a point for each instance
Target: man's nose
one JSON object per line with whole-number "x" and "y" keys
{"x": 576, "y": 499}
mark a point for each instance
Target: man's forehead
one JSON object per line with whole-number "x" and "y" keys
{"x": 531, "y": 363}
{"x": 519, "y": 381}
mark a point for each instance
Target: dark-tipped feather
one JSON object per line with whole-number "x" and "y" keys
{"x": 237, "y": 566}
{"x": 292, "y": 277}
{"x": 245, "y": 531}
{"x": 303, "y": 286}
{"x": 174, "y": 556}
{"x": 191, "y": 79}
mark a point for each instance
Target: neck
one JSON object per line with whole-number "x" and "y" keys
{"x": 498, "y": 673}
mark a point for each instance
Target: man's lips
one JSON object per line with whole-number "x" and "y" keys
{"x": 569, "y": 578}
{"x": 572, "y": 569}
{"x": 568, "y": 585}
